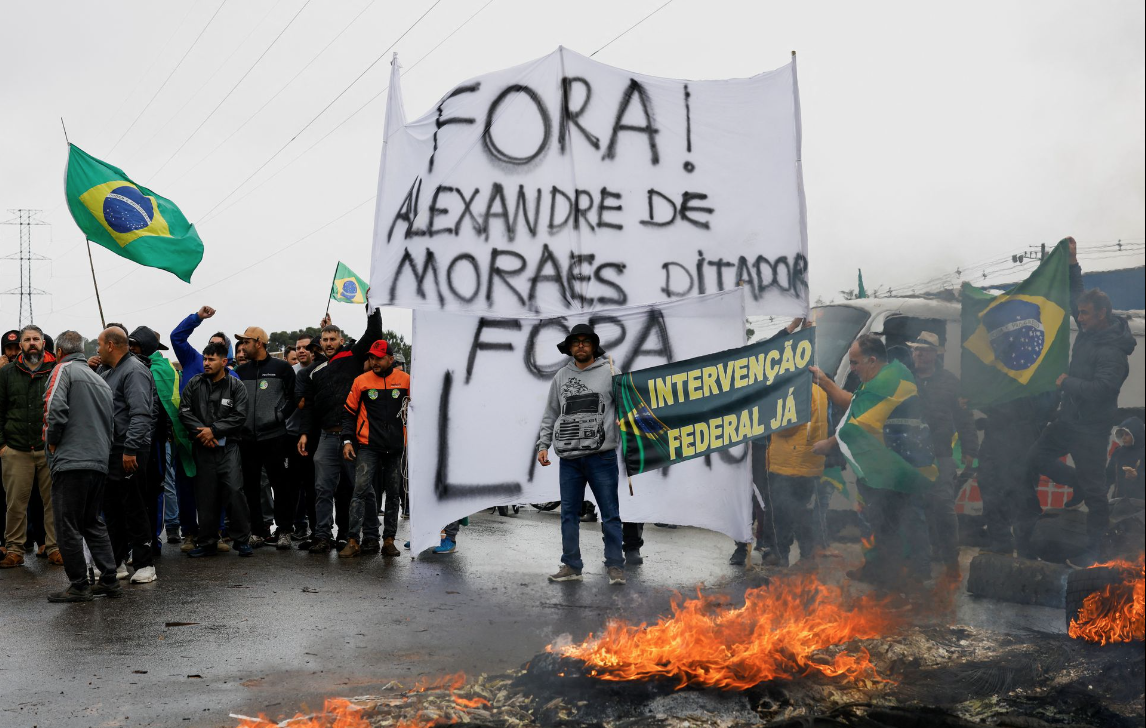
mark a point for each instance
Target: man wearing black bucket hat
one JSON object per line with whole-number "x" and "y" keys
{"x": 580, "y": 423}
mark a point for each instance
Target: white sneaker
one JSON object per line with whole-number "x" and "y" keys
{"x": 146, "y": 575}
{"x": 121, "y": 571}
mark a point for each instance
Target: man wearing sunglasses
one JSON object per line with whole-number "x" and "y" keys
{"x": 580, "y": 423}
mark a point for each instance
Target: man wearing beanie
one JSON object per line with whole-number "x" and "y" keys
{"x": 580, "y": 423}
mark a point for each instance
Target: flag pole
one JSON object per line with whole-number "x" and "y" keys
{"x": 96, "y": 284}
{"x": 333, "y": 278}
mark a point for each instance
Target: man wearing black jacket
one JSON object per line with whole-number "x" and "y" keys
{"x": 1099, "y": 364}
{"x": 325, "y": 400}
{"x": 271, "y": 398}
{"x": 214, "y": 410}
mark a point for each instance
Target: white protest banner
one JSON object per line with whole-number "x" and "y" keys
{"x": 479, "y": 390}
{"x": 564, "y": 184}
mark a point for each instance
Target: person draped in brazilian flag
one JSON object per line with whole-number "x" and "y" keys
{"x": 128, "y": 219}
{"x": 886, "y": 441}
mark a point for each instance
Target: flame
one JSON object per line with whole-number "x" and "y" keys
{"x": 450, "y": 683}
{"x": 336, "y": 713}
{"x": 1118, "y": 612}
{"x": 471, "y": 703}
{"x": 782, "y": 631}
{"x": 868, "y": 542}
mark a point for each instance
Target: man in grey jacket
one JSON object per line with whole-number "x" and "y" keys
{"x": 580, "y": 422}
{"x": 125, "y": 507}
{"x": 78, "y": 434}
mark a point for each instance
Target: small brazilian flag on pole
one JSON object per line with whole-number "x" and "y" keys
{"x": 347, "y": 286}
{"x": 129, "y": 219}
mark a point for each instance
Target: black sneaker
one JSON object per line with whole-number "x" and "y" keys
{"x": 321, "y": 546}
{"x": 173, "y": 536}
{"x": 740, "y": 555}
{"x": 71, "y": 594}
{"x": 371, "y": 546}
{"x": 111, "y": 591}
{"x": 633, "y": 557}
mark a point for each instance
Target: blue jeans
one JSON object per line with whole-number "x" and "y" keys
{"x": 364, "y": 502}
{"x": 600, "y": 472}
{"x": 170, "y": 495}
{"x": 329, "y": 468}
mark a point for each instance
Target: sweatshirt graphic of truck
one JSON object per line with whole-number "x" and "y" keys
{"x": 580, "y": 429}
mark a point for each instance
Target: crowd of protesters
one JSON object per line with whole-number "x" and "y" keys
{"x": 234, "y": 449}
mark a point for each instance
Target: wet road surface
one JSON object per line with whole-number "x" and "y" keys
{"x": 284, "y": 629}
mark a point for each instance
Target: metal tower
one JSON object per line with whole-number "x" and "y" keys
{"x": 25, "y": 219}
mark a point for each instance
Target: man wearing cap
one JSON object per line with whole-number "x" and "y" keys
{"x": 271, "y": 398}
{"x": 11, "y": 347}
{"x": 580, "y": 423}
{"x": 301, "y": 467}
{"x": 324, "y": 402}
{"x": 374, "y": 435}
{"x": 946, "y": 417}
{"x": 25, "y": 465}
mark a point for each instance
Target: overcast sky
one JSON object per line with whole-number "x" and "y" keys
{"x": 936, "y": 136}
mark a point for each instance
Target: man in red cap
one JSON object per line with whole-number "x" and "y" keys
{"x": 373, "y": 435}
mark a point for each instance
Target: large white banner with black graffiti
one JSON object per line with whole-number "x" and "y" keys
{"x": 565, "y": 184}
{"x": 480, "y": 386}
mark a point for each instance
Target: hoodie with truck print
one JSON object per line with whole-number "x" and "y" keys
{"x": 580, "y": 417}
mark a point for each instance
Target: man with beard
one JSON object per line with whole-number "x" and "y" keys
{"x": 25, "y": 465}
{"x": 301, "y": 467}
{"x": 585, "y": 383}
{"x": 325, "y": 400}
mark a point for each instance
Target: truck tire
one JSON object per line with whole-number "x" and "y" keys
{"x": 1081, "y": 583}
{"x": 1059, "y": 535}
{"x": 1021, "y": 581}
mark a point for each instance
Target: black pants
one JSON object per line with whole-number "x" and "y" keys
{"x": 792, "y": 518}
{"x": 125, "y": 511}
{"x": 218, "y": 485}
{"x": 388, "y": 485}
{"x": 632, "y": 536}
{"x": 301, "y": 470}
{"x": 77, "y": 496}
{"x": 272, "y": 455}
{"x": 898, "y": 547}
{"x": 1002, "y": 479}
{"x": 1088, "y": 476}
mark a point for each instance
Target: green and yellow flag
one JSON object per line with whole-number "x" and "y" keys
{"x": 1016, "y": 344}
{"x": 129, "y": 219}
{"x": 884, "y": 436}
{"x": 348, "y": 287}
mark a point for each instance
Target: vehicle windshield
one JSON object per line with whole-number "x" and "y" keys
{"x": 584, "y": 403}
{"x": 836, "y": 329}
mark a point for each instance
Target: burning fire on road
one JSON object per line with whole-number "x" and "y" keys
{"x": 1116, "y": 612}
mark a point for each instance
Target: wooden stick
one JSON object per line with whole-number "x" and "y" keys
{"x": 96, "y": 284}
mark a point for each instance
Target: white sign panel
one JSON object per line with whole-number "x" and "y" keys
{"x": 479, "y": 391}
{"x": 564, "y": 185}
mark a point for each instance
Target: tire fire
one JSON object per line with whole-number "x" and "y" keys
{"x": 1116, "y": 613}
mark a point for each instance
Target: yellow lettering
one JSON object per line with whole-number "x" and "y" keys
{"x": 803, "y": 353}
{"x": 741, "y": 373}
{"x": 787, "y": 364}
{"x": 790, "y": 408}
{"x": 745, "y": 431}
{"x": 757, "y": 428}
{"x": 664, "y": 391}
{"x": 729, "y": 429}
{"x": 726, "y": 376}
{"x": 678, "y": 380}
{"x": 709, "y": 375}
{"x": 779, "y": 415}
{"x": 694, "y": 384}
{"x": 674, "y": 443}
{"x": 686, "y": 441}
{"x": 756, "y": 369}
{"x": 702, "y": 436}
{"x": 714, "y": 429}
{"x": 771, "y": 365}
{"x": 653, "y": 393}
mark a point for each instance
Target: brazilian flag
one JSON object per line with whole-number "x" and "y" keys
{"x": 129, "y": 219}
{"x": 884, "y": 435}
{"x": 1018, "y": 343}
{"x": 347, "y": 286}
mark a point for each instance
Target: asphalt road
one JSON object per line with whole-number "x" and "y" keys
{"x": 282, "y": 630}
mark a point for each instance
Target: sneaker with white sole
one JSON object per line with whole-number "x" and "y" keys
{"x": 616, "y": 575}
{"x": 146, "y": 575}
{"x": 284, "y": 541}
{"x": 121, "y": 571}
{"x": 566, "y": 573}
{"x": 256, "y": 542}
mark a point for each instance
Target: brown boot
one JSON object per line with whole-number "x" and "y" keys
{"x": 56, "y": 558}
{"x": 12, "y": 560}
{"x": 389, "y": 549}
{"x": 352, "y": 549}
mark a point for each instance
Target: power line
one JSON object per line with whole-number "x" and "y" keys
{"x": 324, "y": 109}
{"x": 164, "y": 84}
{"x": 662, "y": 7}
{"x": 357, "y": 111}
{"x": 237, "y": 83}
{"x": 353, "y": 20}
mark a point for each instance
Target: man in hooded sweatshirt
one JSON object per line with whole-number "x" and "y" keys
{"x": 1126, "y": 471}
{"x": 580, "y": 423}
{"x": 1099, "y": 364}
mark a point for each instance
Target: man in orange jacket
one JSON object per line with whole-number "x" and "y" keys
{"x": 374, "y": 435}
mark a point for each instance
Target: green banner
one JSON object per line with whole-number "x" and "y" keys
{"x": 690, "y": 408}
